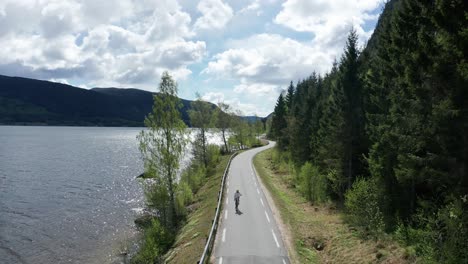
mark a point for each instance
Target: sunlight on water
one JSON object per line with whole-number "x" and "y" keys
{"x": 69, "y": 194}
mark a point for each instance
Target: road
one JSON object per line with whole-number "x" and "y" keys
{"x": 251, "y": 236}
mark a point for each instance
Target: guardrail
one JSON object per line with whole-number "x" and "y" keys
{"x": 214, "y": 226}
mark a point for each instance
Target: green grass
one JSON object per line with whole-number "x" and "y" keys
{"x": 320, "y": 226}
{"x": 191, "y": 238}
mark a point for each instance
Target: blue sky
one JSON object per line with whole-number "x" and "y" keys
{"x": 241, "y": 52}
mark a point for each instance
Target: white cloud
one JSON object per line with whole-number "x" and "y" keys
{"x": 100, "y": 43}
{"x": 257, "y": 89}
{"x": 213, "y": 97}
{"x": 215, "y": 15}
{"x": 268, "y": 59}
{"x": 330, "y": 21}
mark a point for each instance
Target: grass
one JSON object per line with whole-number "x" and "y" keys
{"x": 318, "y": 232}
{"x": 191, "y": 238}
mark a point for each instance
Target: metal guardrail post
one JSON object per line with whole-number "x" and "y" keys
{"x": 214, "y": 226}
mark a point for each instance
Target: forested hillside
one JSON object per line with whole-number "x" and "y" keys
{"x": 385, "y": 131}
{"x": 29, "y": 101}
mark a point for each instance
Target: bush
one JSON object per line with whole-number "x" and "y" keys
{"x": 312, "y": 184}
{"x": 184, "y": 197}
{"x": 453, "y": 231}
{"x": 213, "y": 153}
{"x": 281, "y": 161}
{"x": 194, "y": 175}
{"x": 363, "y": 203}
{"x": 439, "y": 235}
{"x": 157, "y": 241}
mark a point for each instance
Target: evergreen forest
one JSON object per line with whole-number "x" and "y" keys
{"x": 384, "y": 132}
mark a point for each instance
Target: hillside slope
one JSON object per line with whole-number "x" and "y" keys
{"x": 29, "y": 101}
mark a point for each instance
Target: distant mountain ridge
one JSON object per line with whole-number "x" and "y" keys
{"x": 25, "y": 101}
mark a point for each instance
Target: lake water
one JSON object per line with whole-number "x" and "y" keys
{"x": 67, "y": 194}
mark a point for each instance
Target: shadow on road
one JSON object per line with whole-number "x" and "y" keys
{"x": 238, "y": 212}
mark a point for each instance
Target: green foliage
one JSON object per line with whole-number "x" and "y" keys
{"x": 161, "y": 146}
{"x": 202, "y": 117}
{"x": 364, "y": 206}
{"x": 279, "y": 123}
{"x": 184, "y": 197}
{"x": 312, "y": 184}
{"x": 243, "y": 134}
{"x": 214, "y": 155}
{"x": 394, "y": 114}
{"x": 224, "y": 122}
{"x": 157, "y": 240}
{"x": 439, "y": 235}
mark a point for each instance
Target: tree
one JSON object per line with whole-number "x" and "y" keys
{"x": 279, "y": 123}
{"x": 202, "y": 116}
{"x": 289, "y": 97}
{"x": 224, "y": 122}
{"x": 161, "y": 146}
{"x": 240, "y": 130}
{"x": 354, "y": 141}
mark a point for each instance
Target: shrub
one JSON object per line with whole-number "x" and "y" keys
{"x": 363, "y": 203}
{"x": 184, "y": 197}
{"x": 439, "y": 235}
{"x": 312, "y": 184}
{"x": 213, "y": 153}
{"x": 157, "y": 241}
{"x": 194, "y": 175}
{"x": 453, "y": 231}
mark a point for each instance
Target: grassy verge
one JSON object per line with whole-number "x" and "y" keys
{"x": 319, "y": 234}
{"x": 191, "y": 238}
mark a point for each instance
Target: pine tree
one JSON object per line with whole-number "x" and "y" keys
{"x": 279, "y": 123}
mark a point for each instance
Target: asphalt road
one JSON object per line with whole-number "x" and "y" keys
{"x": 252, "y": 235}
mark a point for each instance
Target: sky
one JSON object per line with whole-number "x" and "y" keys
{"x": 241, "y": 52}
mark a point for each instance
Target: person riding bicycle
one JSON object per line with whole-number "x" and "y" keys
{"x": 237, "y": 196}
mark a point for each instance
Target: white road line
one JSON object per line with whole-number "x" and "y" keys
{"x": 284, "y": 261}
{"x": 224, "y": 235}
{"x": 221, "y": 260}
{"x": 274, "y": 236}
{"x": 227, "y": 191}
{"x": 268, "y": 218}
{"x": 227, "y": 201}
{"x": 261, "y": 200}
{"x": 225, "y": 214}
{"x": 258, "y": 191}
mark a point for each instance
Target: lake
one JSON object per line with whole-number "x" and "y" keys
{"x": 68, "y": 194}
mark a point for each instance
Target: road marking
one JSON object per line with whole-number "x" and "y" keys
{"x": 225, "y": 214}
{"x": 228, "y": 183}
{"x": 284, "y": 261}
{"x": 227, "y": 200}
{"x": 227, "y": 191}
{"x": 261, "y": 200}
{"x": 274, "y": 236}
{"x": 268, "y": 218}
{"x": 221, "y": 260}
{"x": 224, "y": 235}
{"x": 258, "y": 191}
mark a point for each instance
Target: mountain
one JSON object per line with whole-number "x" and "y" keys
{"x": 34, "y": 102}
